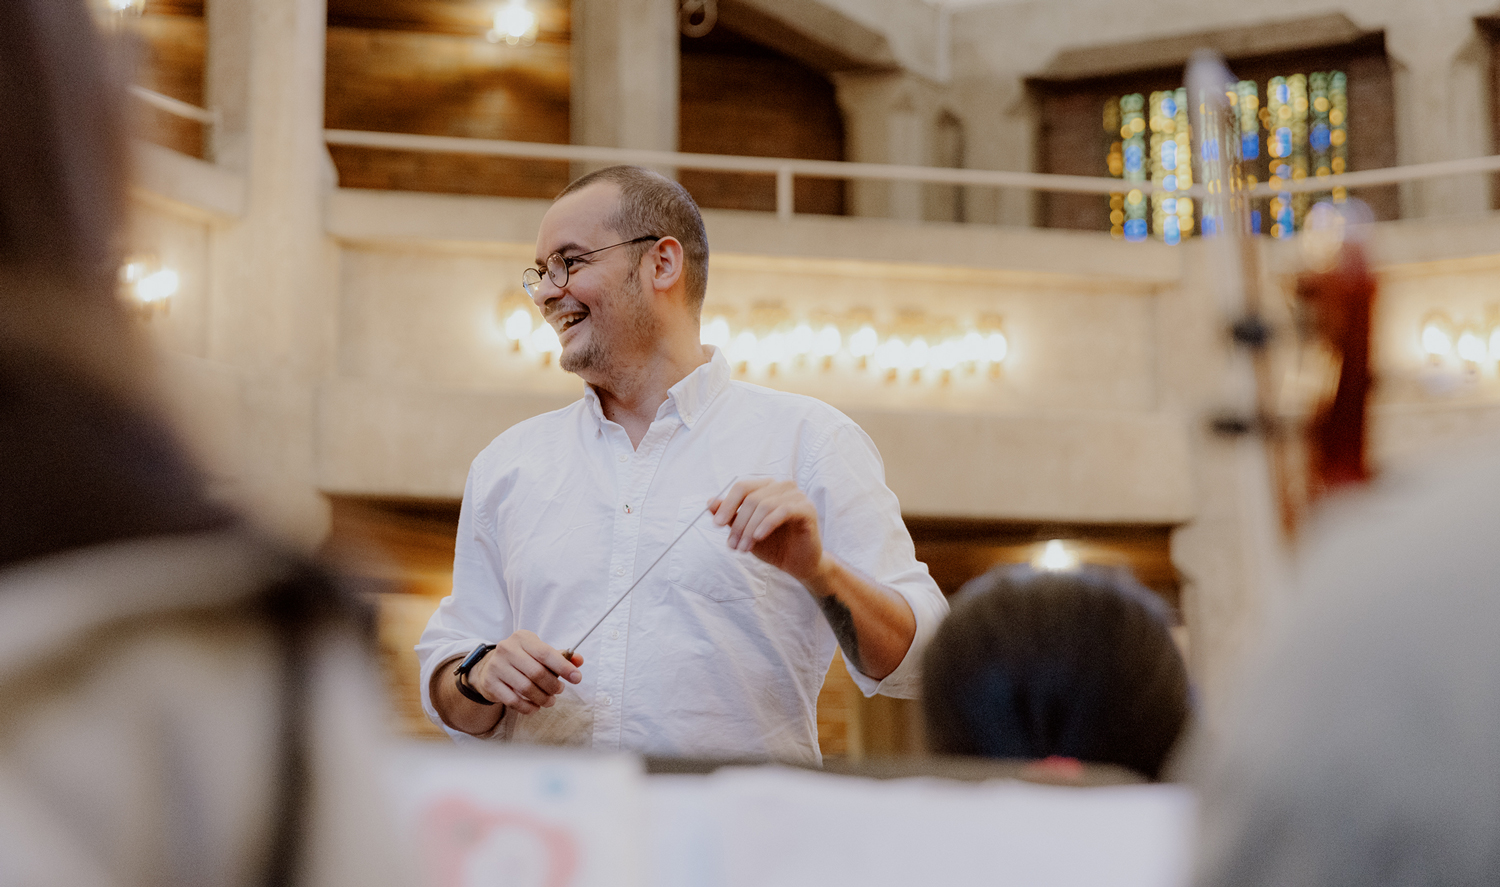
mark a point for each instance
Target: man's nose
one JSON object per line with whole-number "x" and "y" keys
{"x": 546, "y": 294}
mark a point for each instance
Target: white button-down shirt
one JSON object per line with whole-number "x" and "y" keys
{"x": 715, "y": 653}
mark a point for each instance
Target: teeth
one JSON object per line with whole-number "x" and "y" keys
{"x": 568, "y": 320}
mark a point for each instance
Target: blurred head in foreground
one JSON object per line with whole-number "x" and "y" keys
{"x": 1032, "y": 665}
{"x": 1362, "y": 744}
{"x": 85, "y": 458}
{"x": 159, "y": 662}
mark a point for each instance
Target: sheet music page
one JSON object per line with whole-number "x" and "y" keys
{"x": 754, "y": 827}
{"x": 522, "y": 816}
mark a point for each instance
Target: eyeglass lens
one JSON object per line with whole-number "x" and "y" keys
{"x": 557, "y": 272}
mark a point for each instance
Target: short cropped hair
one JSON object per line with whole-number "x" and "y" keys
{"x": 651, "y": 203}
{"x": 1081, "y": 664}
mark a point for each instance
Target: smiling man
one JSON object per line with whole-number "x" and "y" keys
{"x": 722, "y": 647}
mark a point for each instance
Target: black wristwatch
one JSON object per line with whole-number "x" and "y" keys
{"x": 461, "y": 675}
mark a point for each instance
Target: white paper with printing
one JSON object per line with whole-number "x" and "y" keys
{"x": 789, "y": 828}
{"x": 522, "y": 817}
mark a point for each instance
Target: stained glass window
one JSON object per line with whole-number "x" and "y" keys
{"x": 1290, "y": 127}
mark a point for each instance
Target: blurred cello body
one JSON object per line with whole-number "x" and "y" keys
{"x": 1307, "y": 396}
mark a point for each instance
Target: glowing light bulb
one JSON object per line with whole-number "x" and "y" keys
{"x": 544, "y": 340}
{"x": 1055, "y": 557}
{"x": 1436, "y": 341}
{"x": 995, "y": 347}
{"x": 514, "y": 23}
{"x": 716, "y": 333}
{"x": 890, "y": 354}
{"x": 772, "y": 350}
{"x": 864, "y": 341}
{"x": 156, "y": 287}
{"x": 918, "y": 353}
{"x": 829, "y": 341}
{"x": 971, "y": 348}
{"x": 947, "y": 354}
{"x": 801, "y": 340}
{"x": 1471, "y": 347}
{"x": 518, "y": 325}
{"x": 742, "y": 348}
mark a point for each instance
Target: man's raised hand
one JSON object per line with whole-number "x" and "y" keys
{"x": 773, "y": 520}
{"x": 524, "y": 673}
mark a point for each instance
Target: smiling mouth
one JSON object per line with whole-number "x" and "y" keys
{"x": 564, "y": 322}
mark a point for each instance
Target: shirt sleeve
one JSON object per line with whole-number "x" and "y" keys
{"x": 478, "y": 610}
{"x": 860, "y": 520}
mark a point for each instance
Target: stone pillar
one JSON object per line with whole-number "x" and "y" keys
{"x": 1231, "y": 553}
{"x": 273, "y": 292}
{"x": 625, "y": 73}
{"x": 886, "y": 120}
{"x": 1440, "y": 67}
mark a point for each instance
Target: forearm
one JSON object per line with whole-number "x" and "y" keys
{"x": 874, "y": 625}
{"x": 456, "y": 710}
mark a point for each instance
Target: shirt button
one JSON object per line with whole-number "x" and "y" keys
{"x": 624, "y": 458}
{"x": 609, "y": 700}
{"x": 619, "y": 571}
{"x": 614, "y": 635}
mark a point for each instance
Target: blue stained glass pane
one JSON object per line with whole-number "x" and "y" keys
{"x": 1250, "y": 145}
{"x": 1211, "y": 149}
{"x": 1169, "y": 183}
{"x": 1319, "y": 138}
{"x": 1172, "y": 232}
{"x": 1169, "y": 106}
{"x": 1283, "y": 141}
{"x": 1255, "y": 221}
{"x": 1169, "y": 155}
{"x": 1133, "y": 155}
{"x": 1135, "y": 230}
{"x": 1283, "y": 94}
{"x": 1169, "y": 206}
{"x": 1210, "y": 226}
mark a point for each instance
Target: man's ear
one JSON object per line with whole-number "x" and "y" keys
{"x": 666, "y": 264}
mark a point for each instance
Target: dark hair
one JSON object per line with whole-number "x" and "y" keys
{"x": 651, "y": 203}
{"x": 1079, "y": 664}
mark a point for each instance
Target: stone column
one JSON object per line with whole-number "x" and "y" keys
{"x": 273, "y": 292}
{"x": 1230, "y": 554}
{"x": 886, "y": 120}
{"x": 1440, "y": 67}
{"x": 625, "y": 73}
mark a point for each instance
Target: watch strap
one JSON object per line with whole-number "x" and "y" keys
{"x": 461, "y": 675}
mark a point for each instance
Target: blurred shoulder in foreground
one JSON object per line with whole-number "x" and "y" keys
{"x": 181, "y": 700}
{"x": 1363, "y": 743}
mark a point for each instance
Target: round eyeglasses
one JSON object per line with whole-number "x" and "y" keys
{"x": 558, "y": 265}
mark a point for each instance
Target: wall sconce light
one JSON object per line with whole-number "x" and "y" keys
{"x": 521, "y": 326}
{"x": 147, "y": 286}
{"x": 1471, "y": 347}
{"x": 914, "y": 345}
{"x": 514, "y": 24}
{"x": 1437, "y": 337}
{"x": 114, "y": 14}
{"x": 1056, "y": 557}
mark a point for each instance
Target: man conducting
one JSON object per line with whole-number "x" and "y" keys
{"x": 721, "y": 649}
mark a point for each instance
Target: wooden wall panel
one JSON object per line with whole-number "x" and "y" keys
{"x": 170, "y": 45}
{"x": 740, "y": 98}
{"x": 436, "y": 84}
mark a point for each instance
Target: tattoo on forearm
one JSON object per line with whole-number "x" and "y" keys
{"x": 842, "y": 623}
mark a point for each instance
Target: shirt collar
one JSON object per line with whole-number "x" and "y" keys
{"x": 690, "y": 397}
{"x": 697, "y": 390}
